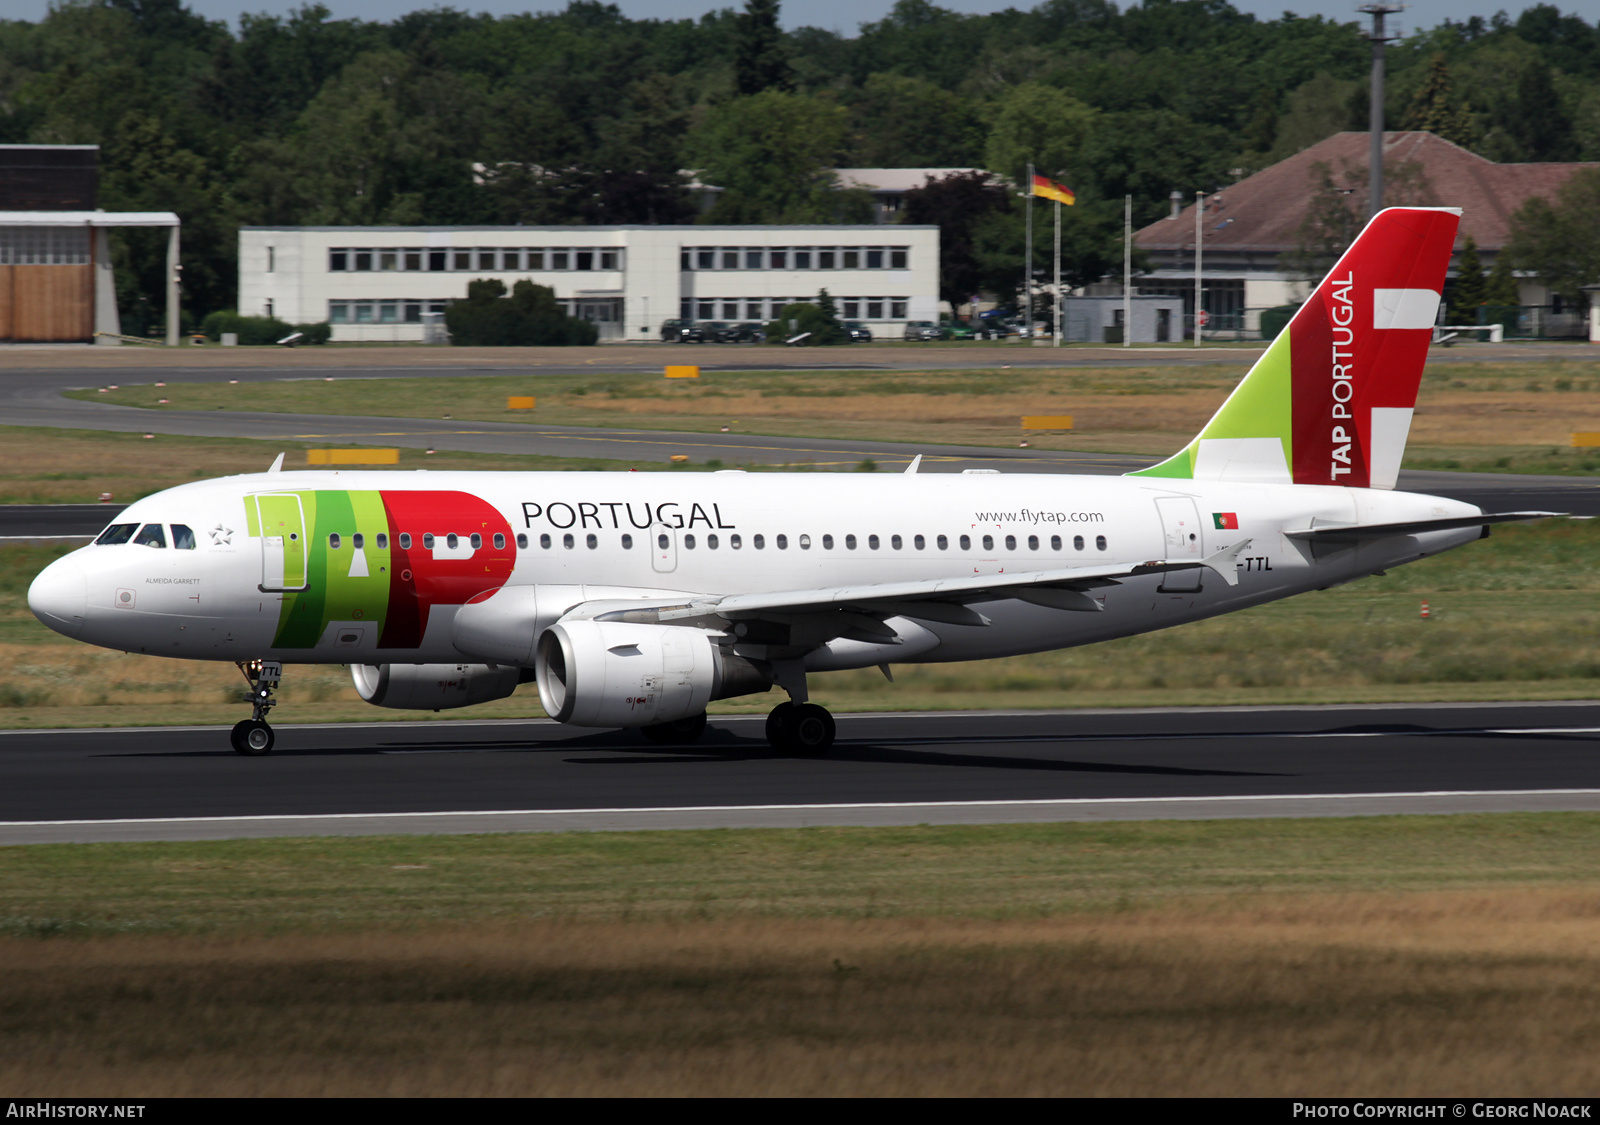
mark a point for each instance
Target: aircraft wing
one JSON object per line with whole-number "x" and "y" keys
{"x": 1345, "y": 533}
{"x": 937, "y": 599}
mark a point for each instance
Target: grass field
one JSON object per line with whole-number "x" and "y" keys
{"x": 1506, "y": 417}
{"x": 1390, "y": 956}
{"x": 1513, "y": 617}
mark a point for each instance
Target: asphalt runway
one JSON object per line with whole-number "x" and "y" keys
{"x": 886, "y": 769}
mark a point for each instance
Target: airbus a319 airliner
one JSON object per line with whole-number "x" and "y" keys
{"x": 634, "y": 600}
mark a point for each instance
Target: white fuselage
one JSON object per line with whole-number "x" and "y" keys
{"x": 588, "y": 536}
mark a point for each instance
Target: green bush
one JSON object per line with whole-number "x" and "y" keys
{"x": 1274, "y": 321}
{"x": 530, "y": 317}
{"x": 818, "y": 318}
{"x": 254, "y": 330}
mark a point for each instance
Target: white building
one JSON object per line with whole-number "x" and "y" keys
{"x": 377, "y": 283}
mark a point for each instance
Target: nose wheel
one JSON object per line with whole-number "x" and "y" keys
{"x": 800, "y": 728}
{"x": 253, "y": 737}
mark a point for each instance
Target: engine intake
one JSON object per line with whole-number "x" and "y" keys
{"x": 619, "y": 674}
{"x": 433, "y": 687}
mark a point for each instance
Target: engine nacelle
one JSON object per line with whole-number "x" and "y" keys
{"x": 433, "y": 687}
{"x": 617, "y": 674}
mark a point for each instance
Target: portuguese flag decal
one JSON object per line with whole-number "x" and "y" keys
{"x": 1226, "y": 521}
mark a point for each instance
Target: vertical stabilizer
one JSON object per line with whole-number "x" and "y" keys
{"x": 1330, "y": 400}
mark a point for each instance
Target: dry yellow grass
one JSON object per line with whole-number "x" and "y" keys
{"x": 1472, "y": 992}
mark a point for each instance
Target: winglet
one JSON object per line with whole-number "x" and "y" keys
{"x": 916, "y": 462}
{"x": 277, "y": 465}
{"x": 1226, "y": 561}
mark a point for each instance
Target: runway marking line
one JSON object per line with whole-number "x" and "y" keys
{"x": 1052, "y": 802}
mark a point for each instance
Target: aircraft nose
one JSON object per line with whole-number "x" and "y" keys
{"x": 59, "y": 596}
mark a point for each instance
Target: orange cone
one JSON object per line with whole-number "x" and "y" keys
{"x": 1425, "y": 614}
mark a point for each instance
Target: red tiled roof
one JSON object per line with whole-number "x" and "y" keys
{"x": 1268, "y": 208}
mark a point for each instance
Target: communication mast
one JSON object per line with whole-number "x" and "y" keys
{"x": 1379, "y": 37}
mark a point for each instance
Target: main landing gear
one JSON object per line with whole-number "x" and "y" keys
{"x": 800, "y": 728}
{"x": 253, "y": 736}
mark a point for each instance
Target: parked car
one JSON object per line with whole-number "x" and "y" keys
{"x": 718, "y": 332}
{"x": 682, "y": 332}
{"x": 957, "y": 330}
{"x": 750, "y": 333}
{"x": 859, "y": 333}
{"x": 923, "y": 330}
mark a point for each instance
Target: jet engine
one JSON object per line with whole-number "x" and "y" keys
{"x": 433, "y": 687}
{"x": 620, "y": 674}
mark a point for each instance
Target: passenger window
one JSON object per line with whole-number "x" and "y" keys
{"x": 783, "y": 542}
{"x": 522, "y": 540}
{"x": 688, "y": 542}
{"x": 116, "y": 534}
{"x": 711, "y": 542}
{"x": 427, "y": 540}
{"x": 1011, "y": 542}
{"x": 333, "y": 540}
{"x": 591, "y": 541}
{"x": 895, "y": 541}
{"x": 476, "y": 540}
{"x": 499, "y": 541}
{"x": 759, "y": 542}
{"x": 872, "y": 541}
{"x": 358, "y": 541}
{"x": 182, "y": 537}
{"x": 1033, "y": 542}
{"x": 827, "y": 542}
{"x": 988, "y": 542}
{"x": 1055, "y": 542}
{"x": 151, "y": 536}
{"x": 1077, "y": 542}
{"x": 966, "y": 542}
{"x": 544, "y": 541}
{"x": 944, "y": 542}
{"x": 405, "y": 540}
{"x": 383, "y": 541}
{"x": 1099, "y": 542}
{"x": 568, "y": 541}
{"x": 850, "y": 542}
{"x": 805, "y": 542}
{"x": 662, "y": 541}
{"x": 452, "y": 541}
{"x": 920, "y": 543}
{"x": 735, "y": 541}
{"x": 627, "y": 542}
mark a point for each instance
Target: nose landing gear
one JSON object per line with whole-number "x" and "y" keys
{"x": 253, "y": 736}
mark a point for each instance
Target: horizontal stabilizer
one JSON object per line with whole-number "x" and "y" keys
{"x": 1357, "y": 532}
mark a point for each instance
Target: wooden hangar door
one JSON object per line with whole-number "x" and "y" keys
{"x": 46, "y": 284}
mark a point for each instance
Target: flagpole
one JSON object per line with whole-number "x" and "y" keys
{"x": 1027, "y": 268}
{"x": 1199, "y": 241}
{"x": 1127, "y": 270}
{"x": 1057, "y": 309}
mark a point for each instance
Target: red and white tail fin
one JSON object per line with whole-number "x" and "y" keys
{"x": 1330, "y": 401}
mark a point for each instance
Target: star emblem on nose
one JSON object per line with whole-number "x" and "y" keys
{"x": 222, "y": 535}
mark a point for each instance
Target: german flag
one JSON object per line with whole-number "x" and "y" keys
{"x": 1052, "y": 190}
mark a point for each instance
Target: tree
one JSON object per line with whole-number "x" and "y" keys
{"x": 1560, "y": 241}
{"x": 901, "y": 121}
{"x": 761, "y": 61}
{"x": 1040, "y": 125}
{"x": 957, "y": 205}
{"x": 1435, "y": 110}
{"x": 1470, "y": 290}
{"x": 773, "y": 155}
{"x": 530, "y": 317}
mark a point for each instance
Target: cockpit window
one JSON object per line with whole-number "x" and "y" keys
{"x": 151, "y": 536}
{"x": 182, "y": 537}
{"x": 116, "y": 533}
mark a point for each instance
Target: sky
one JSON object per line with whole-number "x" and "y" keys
{"x": 843, "y": 16}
